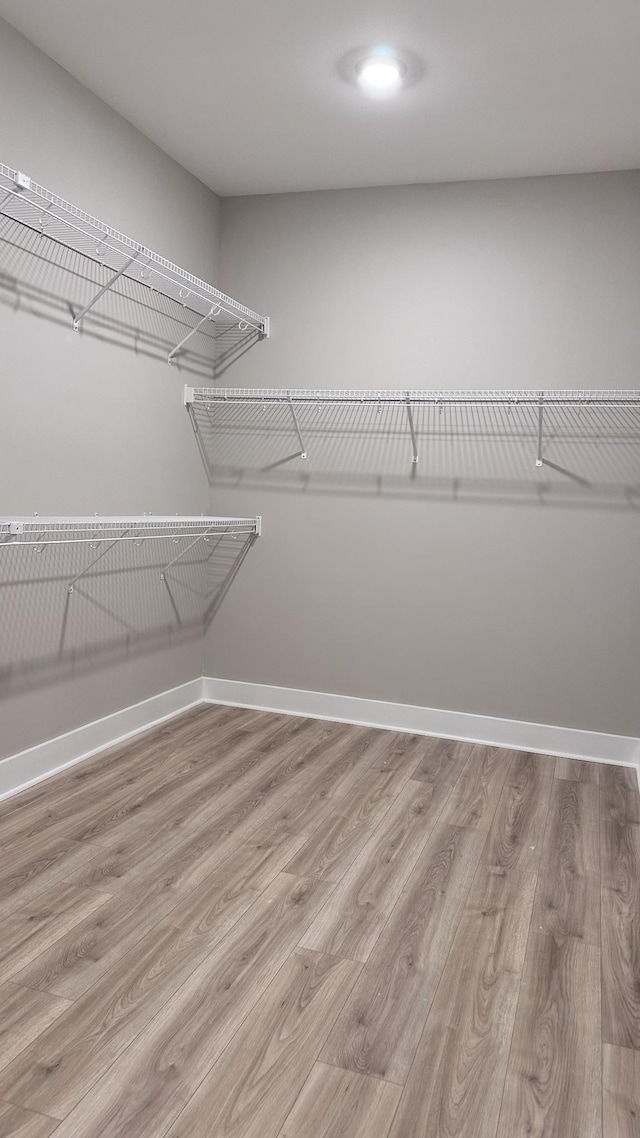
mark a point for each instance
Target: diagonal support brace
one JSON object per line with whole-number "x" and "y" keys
{"x": 540, "y": 429}
{"x": 215, "y": 311}
{"x": 96, "y": 560}
{"x": 186, "y": 550}
{"x": 414, "y": 441}
{"x": 303, "y": 449}
{"x": 105, "y": 288}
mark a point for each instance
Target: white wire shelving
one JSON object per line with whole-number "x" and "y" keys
{"x": 338, "y": 396}
{"x": 78, "y": 590}
{"x": 102, "y": 534}
{"x": 421, "y": 424}
{"x": 24, "y": 201}
{"x": 37, "y": 530}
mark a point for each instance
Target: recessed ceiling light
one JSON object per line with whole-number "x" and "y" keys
{"x": 380, "y": 71}
{"x": 380, "y": 74}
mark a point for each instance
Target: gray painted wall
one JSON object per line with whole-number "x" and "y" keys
{"x": 503, "y": 604}
{"x": 88, "y": 426}
{"x": 507, "y": 605}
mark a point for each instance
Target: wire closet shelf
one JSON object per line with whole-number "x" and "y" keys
{"x": 103, "y": 534}
{"x": 609, "y": 416}
{"x": 498, "y": 397}
{"x": 42, "y": 211}
{"x": 39, "y": 531}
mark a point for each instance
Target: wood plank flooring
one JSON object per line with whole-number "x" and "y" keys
{"x": 243, "y": 925}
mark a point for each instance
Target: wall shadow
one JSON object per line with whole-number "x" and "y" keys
{"x": 591, "y": 456}
{"x": 127, "y": 605}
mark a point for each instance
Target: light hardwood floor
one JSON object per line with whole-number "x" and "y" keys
{"x": 243, "y": 925}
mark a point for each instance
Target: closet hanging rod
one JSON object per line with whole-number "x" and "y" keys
{"x": 492, "y": 398}
{"x": 40, "y": 531}
{"x": 30, "y": 204}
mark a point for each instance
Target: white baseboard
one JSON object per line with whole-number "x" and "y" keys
{"x": 17, "y": 772}
{"x": 592, "y": 746}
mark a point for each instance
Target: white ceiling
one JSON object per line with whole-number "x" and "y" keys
{"x": 247, "y": 94}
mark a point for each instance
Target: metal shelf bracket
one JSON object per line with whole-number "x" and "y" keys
{"x": 105, "y": 288}
{"x": 179, "y": 556}
{"x": 215, "y": 311}
{"x": 414, "y": 442}
{"x": 539, "y": 459}
{"x": 95, "y": 561}
{"x": 303, "y": 449}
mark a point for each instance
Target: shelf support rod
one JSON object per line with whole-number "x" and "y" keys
{"x": 186, "y": 550}
{"x": 105, "y": 288}
{"x": 96, "y": 559}
{"x": 174, "y": 351}
{"x": 303, "y": 449}
{"x": 414, "y": 442}
{"x": 540, "y": 429}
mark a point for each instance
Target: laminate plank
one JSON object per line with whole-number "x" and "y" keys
{"x": 612, "y": 775}
{"x": 117, "y": 867}
{"x": 386, "y": 752}
{"x": 139, "y": 851}
{"x": 378, "y": 1030}
{"x": 25, "y": 1015}
{"x": 216, "y": 845}
{"x": 553, "y": 1083}
{"x": 36, "y": 927}
{"x": 235, "y": 885}
{"x": 177, "y": 786}
{"x": 251, "y": 1089}
{"x": 18, "y": 1123}
{"x": 106, "y": 766}
{"x": 620, "y": 805}
{"x": 90, "y": 786}
{"x": 330, "y": 850}
{"x": 442, "y": 759}
{"x": 188, "y": 796}
{"x": 256, "y": 807}
{"x": 456, "y": 1079}
{"x": 341, "y": 1104}
{"x": 144, "y": 1090}
{"x": 33, "y": 866}
{"x": 267, "y": 768}
{"x": 399, "y": 751}
{"x": 344, "y": 769}
{"x": 619, "y": 797}
{"x": 569, "y": 879}
{"x": 576, "y": 770}
{"x": 78, "y": 959}
{"x": 56, "y": 1071}
{"x": 620, "y": 853}
{"x": 621, "y": 1092}
{"x": 313, "y": 796}
{"x": 515, "y": 838}
{"x": 351, "y": 922}
{"x": 475, "y": 796}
